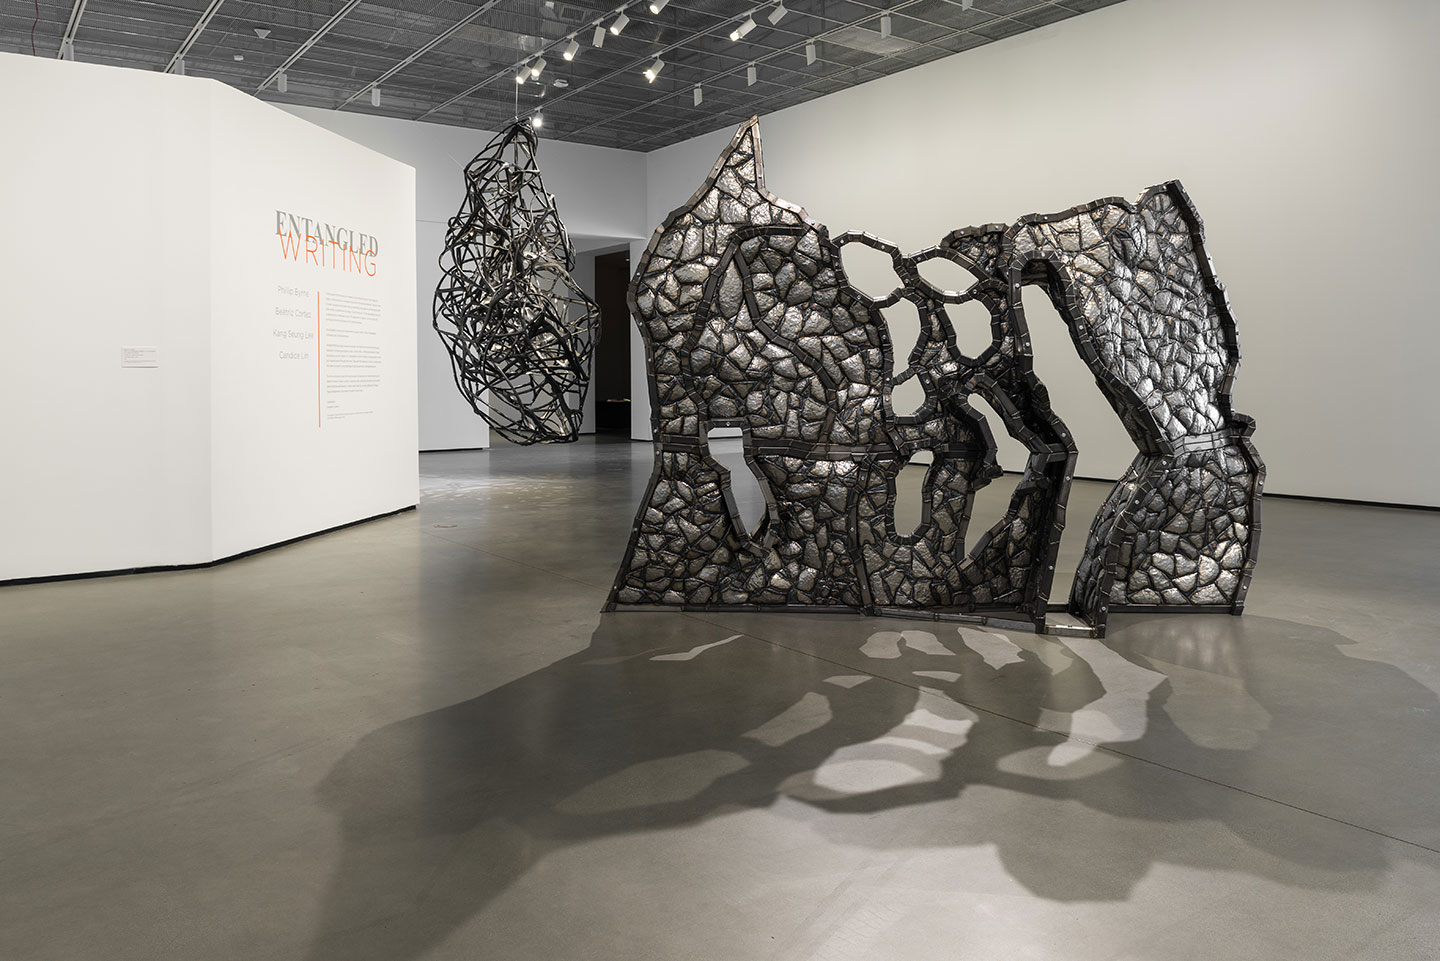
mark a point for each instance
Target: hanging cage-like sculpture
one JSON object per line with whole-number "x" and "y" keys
{"x": 519, "y": 329}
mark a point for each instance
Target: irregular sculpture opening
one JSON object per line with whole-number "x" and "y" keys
{"x": 910, "y": 497}
{"x": 991, "y": 501}
{"x": 747, "y": 499}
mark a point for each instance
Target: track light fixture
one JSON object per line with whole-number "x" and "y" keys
{"x": 537, "y": 120}
{"x": 750, "y": 75}
{"x": 885, "y": 25}
{"x": 374, "y": 96}
{"x": 653, "y": 71}
{"x": 282, "y": 82}
{"x": 67, "y": 50}
{"x": 572, "y": 48}
{"x": 743, "y": 29}
{"x": 699, "y": 95}
{"x": 599, "y": 39}
{"x": 537, "y": 67}
{"x": 524, "y": 73}
{"x": 619, "y": 23}
{"x": 809, "y": 53}
{"x": 778, "y": 13}
{"x": 657, "y": 5}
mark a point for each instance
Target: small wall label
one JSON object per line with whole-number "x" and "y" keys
{"x": 139, "y": 356}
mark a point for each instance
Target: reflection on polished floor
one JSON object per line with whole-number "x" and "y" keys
{"x": 419, "y": 739}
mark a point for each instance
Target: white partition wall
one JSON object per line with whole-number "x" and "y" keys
{"x": 1303, "y": 129}
{"x": 258, "y": 269}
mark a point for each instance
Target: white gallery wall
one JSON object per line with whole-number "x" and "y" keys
{"x": 600, "y": 192}
{"x": 1304, "y": 131}
{"x": 140, "y": 211}
{"x": 306, "y": 439}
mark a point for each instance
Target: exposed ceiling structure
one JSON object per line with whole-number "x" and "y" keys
{"x": 445, "y": 61}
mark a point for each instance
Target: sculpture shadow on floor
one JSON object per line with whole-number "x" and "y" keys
{"x": 668, "y": 721}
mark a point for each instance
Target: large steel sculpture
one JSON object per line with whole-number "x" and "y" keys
{"x": 519, "y": 329}
{"x": 748, "y": 320}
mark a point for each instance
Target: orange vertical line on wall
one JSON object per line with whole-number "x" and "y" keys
{"x": 319, "y": 409}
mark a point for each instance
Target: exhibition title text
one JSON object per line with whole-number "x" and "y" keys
{"x": 321, "y": 244}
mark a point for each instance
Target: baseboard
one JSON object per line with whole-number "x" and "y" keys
{"x": 158, "y": 568}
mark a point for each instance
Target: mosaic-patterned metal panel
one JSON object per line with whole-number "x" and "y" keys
{"x": 519, "y": 329}
{"x": 748, "y": 320}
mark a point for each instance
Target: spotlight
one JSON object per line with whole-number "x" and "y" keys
{"x": 885, "y": 25}
{"x": 778, "y": 13}
{"x": 599, "y": 39}
{"x": 750, "y": 76}
{"x": 809, "y": 53}
{"x": 179, "y": 67}
{"x": 743, "y": 29}
{"x": 523, "y": 75}
{"x": 374, "y": 96}
{"x": 657, "y": 5}
{"x": 653, "y": 71}
{"x": 572, "y": 48}
{"x": 282, "y": 82}
{"x": 699, "y": 96}
{"x": 619, "y": 23}
{"x": 537, "y": 67}
{"x": 538, "y": 120}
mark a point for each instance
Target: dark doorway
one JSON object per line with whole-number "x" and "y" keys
{"x": 612, "y": 356}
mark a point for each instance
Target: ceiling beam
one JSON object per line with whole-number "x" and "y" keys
{"x": 304, "y": 48}
{"x": 195, "y": 32}
{"x": 475, "y": 14}
{"x": 76, "y": 12}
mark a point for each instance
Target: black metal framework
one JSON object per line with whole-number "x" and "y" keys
{"x": 519, "y": 329}
{"x": 748, "y": 320}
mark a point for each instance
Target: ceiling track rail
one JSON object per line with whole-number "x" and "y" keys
{"x": 512, "y": 70}
{"x": 195, "y": 32}
{"x": 733, "y": 71}
{"x": 720, "y": 26}
{"x": 454, "y": 29}
{"x": 304, "y": 48}
{"x": 76, "y": 12}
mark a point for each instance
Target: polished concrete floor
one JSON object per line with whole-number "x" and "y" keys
{"x": 419, "y": 738}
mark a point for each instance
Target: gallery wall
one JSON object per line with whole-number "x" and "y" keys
{"x": 1304, "y": 131}
{"x": 314, "y": 386}
{"x": 105, "y": 467}
{"x": 140, "y": 211}
{"x": 600, "y": 192}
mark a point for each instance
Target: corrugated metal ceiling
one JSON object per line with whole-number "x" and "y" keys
{"x": 451, "y": 62}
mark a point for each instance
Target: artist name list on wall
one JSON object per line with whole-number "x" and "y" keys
{"x": 331, "y": 330}
{"x": 294, "y": 327}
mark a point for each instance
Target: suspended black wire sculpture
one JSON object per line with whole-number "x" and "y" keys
{"x": 519, "y": 329}
{"x": 749, "y": 321}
